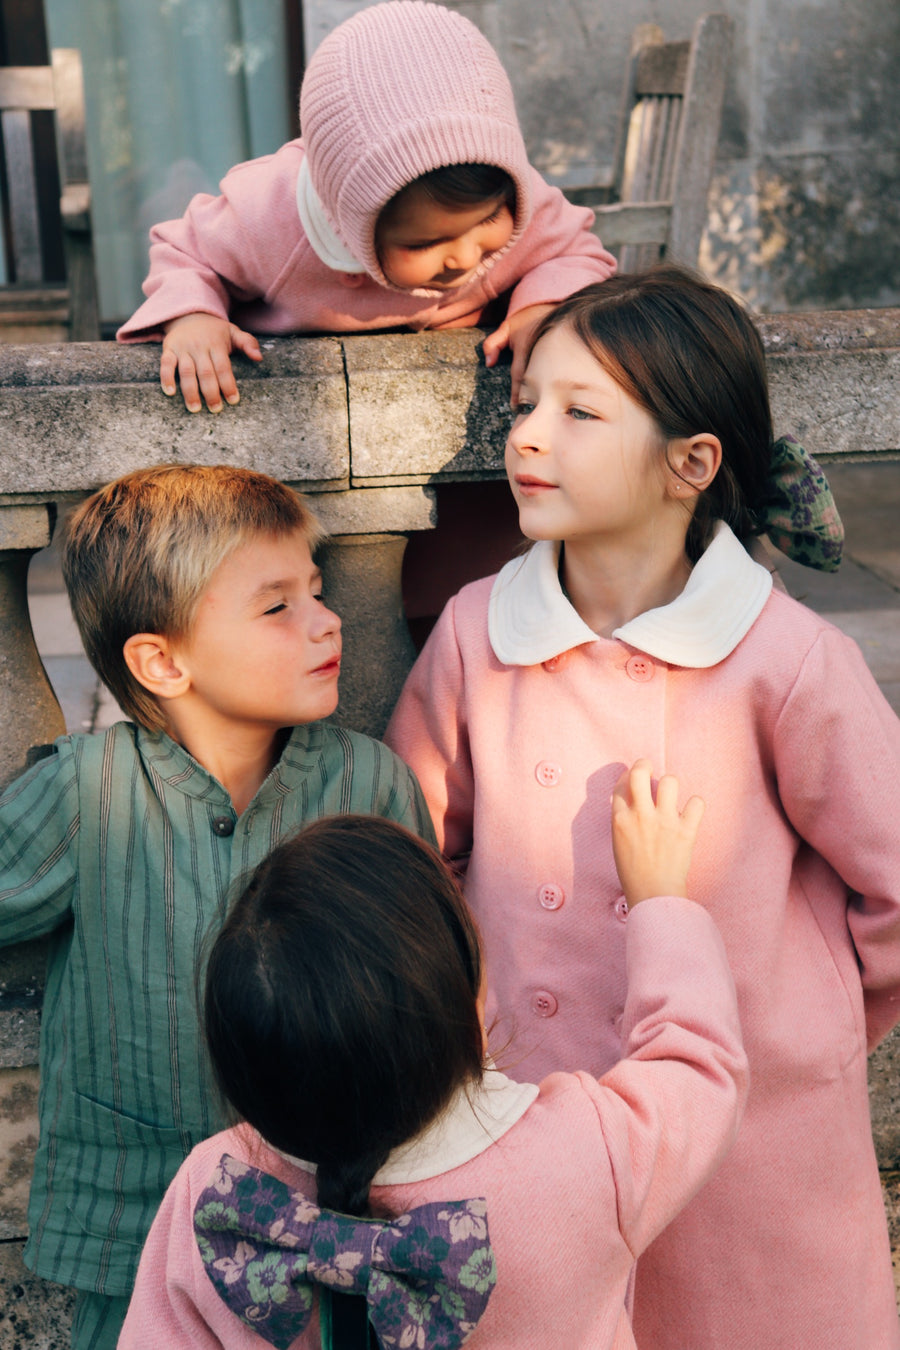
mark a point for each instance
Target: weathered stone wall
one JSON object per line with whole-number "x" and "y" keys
{"x": 366, "y": 425}
{"x": 805, "y": 204}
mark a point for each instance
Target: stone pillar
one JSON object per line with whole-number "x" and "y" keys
{"x": 34, "y": 1313}
{"x": 361, "y": 567}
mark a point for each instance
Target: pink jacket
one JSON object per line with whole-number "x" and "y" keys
{"x": 770, "y": 714}
{"x": 244, "y": 256}
{"x": 578, "y": 1176}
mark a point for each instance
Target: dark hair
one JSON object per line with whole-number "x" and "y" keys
{"x": 689, "y": 354}
{"x": 340, "y": 998}
{"x": 457, "y": 186}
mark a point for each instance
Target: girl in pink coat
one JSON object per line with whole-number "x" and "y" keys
{"x": 637, "y": 624}
{"x": 409, "y": 202}
{"x": 388, "y": 1187}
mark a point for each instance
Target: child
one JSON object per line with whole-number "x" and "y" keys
{"x": 201, "y": 608}
{"x": 510, "y": 1215}
{"x": 409, "y": 203}
{"x": 638, "y": 625}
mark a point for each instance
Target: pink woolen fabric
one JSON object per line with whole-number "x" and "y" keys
{"x": 797, "y": 756}
{"x": 393, "y": 92}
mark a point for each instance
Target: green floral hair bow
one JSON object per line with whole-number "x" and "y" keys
{"x": 798, "y": 513}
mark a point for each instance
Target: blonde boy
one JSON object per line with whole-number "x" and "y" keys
{"x": 201, "y": 608}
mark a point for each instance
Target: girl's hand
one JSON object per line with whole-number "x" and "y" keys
{"x": 198, "y": 346}
{"x": 652, "y": 841}
{"x": 514, "y": 333}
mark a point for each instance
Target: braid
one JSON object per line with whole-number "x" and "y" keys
{"x": 343, "y": 1184}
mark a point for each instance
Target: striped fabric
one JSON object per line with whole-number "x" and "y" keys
{"x": 126, "y": 850}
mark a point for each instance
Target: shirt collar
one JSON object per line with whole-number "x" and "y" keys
{"x": 530, "y": 618}
{"x": 475, "y": 1118}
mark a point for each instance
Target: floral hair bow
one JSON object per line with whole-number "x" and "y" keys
{"x": 426, "y": 1275}
{"x": 798, "y": 513}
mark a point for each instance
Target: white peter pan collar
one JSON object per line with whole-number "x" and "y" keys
{"x": 530, "y": 619}
{"x": 475, "y": 1118}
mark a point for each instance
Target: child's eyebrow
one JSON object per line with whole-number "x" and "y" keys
{"x": 266, "y": 588}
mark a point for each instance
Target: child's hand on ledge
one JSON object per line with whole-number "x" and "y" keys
{"x": 197, "y": 347}
{"x": 652, "y": 840}
{"x": 515, "y": 333}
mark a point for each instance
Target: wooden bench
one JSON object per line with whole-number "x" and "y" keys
{"x": 671, "y": 111}
{"x": 33, "y": 307}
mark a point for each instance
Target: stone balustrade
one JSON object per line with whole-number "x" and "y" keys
{"x": 366, "y": 425}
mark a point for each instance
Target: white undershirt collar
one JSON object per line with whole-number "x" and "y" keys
{"x": 530, "y": 618}
{"x": 326, "y": 242}
{"x": 475, "y": 1119}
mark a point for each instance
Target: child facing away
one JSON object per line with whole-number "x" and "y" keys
{"x": 201, "y": 608}
{"x": 409, "y": 202}
{"x": 637, "y": 624}
{"x": 344, "y": 1009}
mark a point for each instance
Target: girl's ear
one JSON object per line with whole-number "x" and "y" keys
{"x": 694, "y": 462}
{"x": 150, "y": 658}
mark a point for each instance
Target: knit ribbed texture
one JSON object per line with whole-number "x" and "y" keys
{"x": 397, "y": 90}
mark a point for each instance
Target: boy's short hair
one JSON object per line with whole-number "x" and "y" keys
{"x": 138, "y": 555}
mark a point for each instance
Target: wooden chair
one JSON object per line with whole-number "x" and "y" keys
{"x": 31, "y": 308}
{"x": 669, "y": 123}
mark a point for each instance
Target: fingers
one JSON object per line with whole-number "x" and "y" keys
{"x": 197, "y": 347}
{"x": 494, "y": 343}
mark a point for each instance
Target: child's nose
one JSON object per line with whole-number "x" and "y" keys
{"x": 329, "y": 623}
{"x": 463, "y": 253}
{"x": 526, "y": 435}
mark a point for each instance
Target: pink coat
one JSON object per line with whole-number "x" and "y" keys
{"x": 771, "y": 715}
{"x": 244, "y": 255}
{"x": 578, "y": 1176}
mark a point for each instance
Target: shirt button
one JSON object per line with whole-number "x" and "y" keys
{"x": 547, "y": 774}
{"x": 639, "y": 668}
{"x": 223, "y": 826}
{"x": 556, "y": 662}
{"x": 543, "y": 1003}
{"x": 551, "y": 896}
{"x": 621, "y": 908}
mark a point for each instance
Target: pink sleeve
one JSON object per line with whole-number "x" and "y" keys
{"x": 231, "y": 247}
{"x": 561, "y": 253}
{"x": 174, "y": 1304}
{"x": 429, "y": 731}
{"x": 670, "y": 1111}
{"x": 837, "y": 761}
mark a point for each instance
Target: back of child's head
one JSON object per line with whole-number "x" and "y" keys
{"x": 689, "y": 354}
{"x": 395, "y": 92}
{"x": 138, "y": 555}
{"x": 340, "y": 999}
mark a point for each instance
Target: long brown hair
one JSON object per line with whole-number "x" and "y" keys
{"x": 689, "y": 354}
{"x": 340, "y": 998}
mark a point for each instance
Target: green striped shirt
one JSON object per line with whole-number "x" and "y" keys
{"x": 127, "y": 851}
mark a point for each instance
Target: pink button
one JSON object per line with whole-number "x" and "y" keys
{"x": 547, "y": 774}
{"x": 543, "y": 1003}
{"x": 639, "y": 668}
{"x": 352, "y": 279}
{"x": 556, "y": 662}
{"x": 551, "y": 896}
{"x": 621, "y": 908}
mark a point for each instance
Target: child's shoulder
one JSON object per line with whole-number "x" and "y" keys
{"x": 81, "y": 755}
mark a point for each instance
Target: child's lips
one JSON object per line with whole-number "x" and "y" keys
{"x": 330, "y": 667}
{"x": 530, "y": 486}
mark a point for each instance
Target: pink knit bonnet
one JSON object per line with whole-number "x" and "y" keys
{"x": 397, "y": 90}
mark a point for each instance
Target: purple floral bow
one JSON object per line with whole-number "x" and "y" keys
{"x": 426, "y": 1275}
